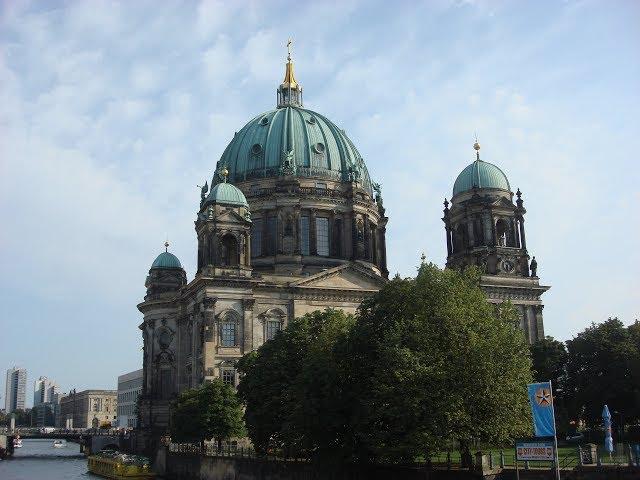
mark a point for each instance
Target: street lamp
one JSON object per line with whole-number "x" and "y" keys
{"x": 620, "y": 425}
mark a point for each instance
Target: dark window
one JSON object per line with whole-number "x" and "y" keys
{"x": 229, "y": 376}
{"x": 272, "y": 235}
{"x": 272, "y": 327}
{"x": 304, "y": 235}
{"x": 229, "y": 254}
{"x": 229, "y": 333}
{"x": 337, "y": 237}
{"x": 256, "y": 237}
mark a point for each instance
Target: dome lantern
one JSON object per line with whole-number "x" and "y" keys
{"x": 289, "y": 91}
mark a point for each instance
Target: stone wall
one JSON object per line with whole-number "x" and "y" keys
{"x": 194, "y": 467}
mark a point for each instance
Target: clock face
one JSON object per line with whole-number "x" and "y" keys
{"x": 507, "y": 266}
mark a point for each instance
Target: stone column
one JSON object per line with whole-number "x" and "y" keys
{"x": 313, "y": 246}
{"x": 297, "y": 230}
{"x": 470, "y": 232}
{"x": 523, "y": 239}
{"x": 367, "y": 239}
{"x": 383, "y": 249}
{"x": 265, "y": 233}
{"x": 330, "y": 227}
{"x": 208, "y": 325}
{"x": 347, "y": 235}
{"x": 488, "y": 229}
{"x": 247, "y": 342}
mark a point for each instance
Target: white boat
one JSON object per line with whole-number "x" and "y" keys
{"x": 17, "y": 442}
{"x": 58, "y": 444}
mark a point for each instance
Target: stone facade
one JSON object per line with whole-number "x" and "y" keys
{"x": 197, "y": 331}
{"x": 88, "y": 409}
{"x": 486, "y": 229}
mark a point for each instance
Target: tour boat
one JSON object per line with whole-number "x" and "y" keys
{"x": 58, "y": 444}
{"x": 120, "y": 466}
{"x": 17, "y": 442}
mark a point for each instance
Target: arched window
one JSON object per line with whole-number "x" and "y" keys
{"x": 229, "y": 255}
{"x": 273, "y": 321}
{"x": 501, "y": 232}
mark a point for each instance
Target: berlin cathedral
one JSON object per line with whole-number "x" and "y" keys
{"x": 292, "y": 223}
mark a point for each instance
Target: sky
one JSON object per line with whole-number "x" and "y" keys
{"x": 111, "y": 114}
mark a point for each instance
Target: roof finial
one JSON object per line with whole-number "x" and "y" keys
{"x": 224, "y": 173}
{"x": 166, "y": 245}
{"x": 290, "y": 91}
{"x": 476, "y": 147}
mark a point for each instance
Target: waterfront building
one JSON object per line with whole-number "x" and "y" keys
{"x": 291, "y": 223}
{"x": 45, "y": 390}
{"x": 485, "y": 228}
{"x": 45, "y": 414}
{"x": 88, "y": 409}
{"x": 15, "y": 389}
{"x": 129, "y": 387}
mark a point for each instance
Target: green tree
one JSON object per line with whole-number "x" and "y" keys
{"x": 602, "y": 368}
{"x": 430, "y": 360}
{"x": 549, "y": 358}
{"x": 210, "y": 411}
{"x": 291, "y": 388}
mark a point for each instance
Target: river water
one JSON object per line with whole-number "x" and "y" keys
{"x": 38, "y": 459}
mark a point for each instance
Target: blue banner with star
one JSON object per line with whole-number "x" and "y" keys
{"x": 542, "y": 409}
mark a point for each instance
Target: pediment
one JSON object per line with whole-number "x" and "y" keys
{"x": 230, "y": 216}
{"x": 503, "y": 202}
{"x": 345, "y": 277}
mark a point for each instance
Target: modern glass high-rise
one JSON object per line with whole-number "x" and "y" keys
{"x": 45, "y": 390}
{"x": 16, "y": 389}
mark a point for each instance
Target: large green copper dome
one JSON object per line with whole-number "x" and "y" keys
{"x": 308, "y": 142}
{"x": 480, "y": 174}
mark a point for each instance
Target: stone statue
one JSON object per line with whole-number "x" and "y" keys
{"x": 534, "y": 267}
{"x": 204, "y": 190}
{"x": 378, "y": 189}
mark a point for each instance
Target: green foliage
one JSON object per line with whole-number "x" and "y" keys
{"x": 431, "y": 360}
{"x": 290, "y": 385}
{"x": 603, "y": 367}
{"x": 209, "y": 411}
{"x": 427, "y": 361}
{"x": 549, "y": 358}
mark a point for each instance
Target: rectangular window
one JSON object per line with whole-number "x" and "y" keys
{"x": 229, "y": 334}
{"x": 256, "y": 237}
{"x": 322, "y": 236}
{"x": 229, "y": 376}
{"x": 272, "y": 235}
{"x": 304, "y": 235}
{"x": 321, "y": 187}
{"x": 273, "y": 327}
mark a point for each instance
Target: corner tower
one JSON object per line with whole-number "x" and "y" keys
{"x": 485, "y": 228}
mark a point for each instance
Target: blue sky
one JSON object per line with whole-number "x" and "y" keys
{"x": 112, "y": 112}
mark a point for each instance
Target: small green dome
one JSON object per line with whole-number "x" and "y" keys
{"x": 481, "y": 174}
{"x": 166, "y": 260}
{"x": 313, "y": 144}
{"x": 226, "y": 194}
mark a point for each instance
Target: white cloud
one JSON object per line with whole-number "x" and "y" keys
{"x": 112, "y": 112}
